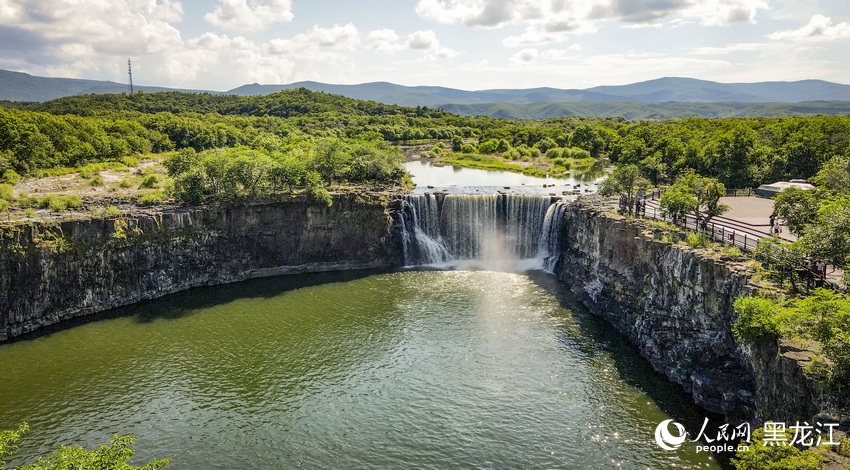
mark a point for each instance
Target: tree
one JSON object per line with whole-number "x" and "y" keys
{"x": 782, "y": 259}
{"x": 835, "y": 175}
{"x": 112, "y": 457}
{"x": 625, "y": 181}
{"x": 797, "y": 207}
{"x": 698, "y": 194}
{"x": 678, "y": 202}
{"x": 829, "y": 236}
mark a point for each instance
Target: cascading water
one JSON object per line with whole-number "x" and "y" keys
{"x": 548, "y": 248}
{"x": 438, "y": 229}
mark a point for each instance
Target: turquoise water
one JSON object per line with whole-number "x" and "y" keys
{"x": 417, "y": 369}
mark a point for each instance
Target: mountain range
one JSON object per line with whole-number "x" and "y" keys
{"x": 661, "y": 98}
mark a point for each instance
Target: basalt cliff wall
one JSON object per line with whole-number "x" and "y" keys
{"x": 50, "y": 272}
{"x": 675, "y": 305}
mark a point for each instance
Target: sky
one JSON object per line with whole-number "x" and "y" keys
{"x": 467, "y": 44}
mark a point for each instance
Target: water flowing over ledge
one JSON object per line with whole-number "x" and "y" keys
{"x": 500, "y": 231}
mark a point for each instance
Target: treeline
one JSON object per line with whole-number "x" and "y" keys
{"x": 738, "y": 152}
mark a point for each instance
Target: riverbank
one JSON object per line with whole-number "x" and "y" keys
{"x": 672, "y": 301}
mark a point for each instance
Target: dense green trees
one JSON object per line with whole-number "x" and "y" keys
{"x": 737, "y": 152}
{"x": 245, "y": 172}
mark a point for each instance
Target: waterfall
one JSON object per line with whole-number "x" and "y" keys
{"x": 549, "y": 245}
{"x": 438, "y": 229}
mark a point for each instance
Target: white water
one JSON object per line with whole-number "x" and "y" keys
{"x": 494, "y": 231}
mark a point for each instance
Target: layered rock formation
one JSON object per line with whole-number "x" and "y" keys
{"x": 52, "y": 272}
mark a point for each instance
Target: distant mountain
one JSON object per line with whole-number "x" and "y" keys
{"x": 664, "y": 97}
{"x": 637, "y": 110}
{"x": 682, "y": 90}
{"x": 17, "y": 86}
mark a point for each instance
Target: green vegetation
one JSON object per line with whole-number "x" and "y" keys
{"x": 821, "y": 219}
{"x": 823, "y": 316}
{"x": 245, "y": 172}
{"x": 626, "y": 182}
{"x": 738, "y": 152}
{"x": 113, "y": 456}
{"x": 760, "y": 456}
{"x": 695, "y": 194}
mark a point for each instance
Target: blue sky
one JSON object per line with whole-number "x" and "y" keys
{"x": 468, "y": 44}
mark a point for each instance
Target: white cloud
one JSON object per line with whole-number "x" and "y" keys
{"x": 535, "y": 36}
{"x": 549, "y": 21}
{"x": 318, "y": 44}
{"x": 820, "y": 28}
{"x": 526, "y": 55}
{"x": 385, "y": 41}
{"x": 70, "y": 37}
{"x": 725, "y": 12}
{"x": 249, "y": 16}
{"x": 729, "y": 49}
{"x": 427, "y": 42}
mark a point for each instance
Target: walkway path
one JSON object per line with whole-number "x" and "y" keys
{"x": 748, "y": 218}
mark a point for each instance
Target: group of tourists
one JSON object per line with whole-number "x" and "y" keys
{"x": 817, "y": 266}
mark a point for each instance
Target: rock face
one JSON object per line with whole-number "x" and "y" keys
{"x": 675, "y": 304}
{"x": 52, "y": 273}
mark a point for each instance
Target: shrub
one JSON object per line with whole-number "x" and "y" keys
{"x": 56, "y": 203}
{"x": 4, "y": 205}
{"x": 697, "y": 240}
{"x": 109, "y": 212}
{"x": 844, "y": 447}
{"x": 758, "y": 318}
{"x": 730, "y": 252}
{"x": 113, "y": 456}
{"x": 6, "y": 192}
{"x": 130, "y": 161}
{"x": 125, "y": 183}
{"x": 759, "y": 456}
{"x": 150, "y": 198}
{"x": 10, "y": 177}
{"x": 151, "y": 182}
{"x": 97, "y": 181}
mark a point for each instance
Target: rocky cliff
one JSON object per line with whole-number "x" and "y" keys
{"x": 52, "y": 272}
{"x": 675, "y": 304}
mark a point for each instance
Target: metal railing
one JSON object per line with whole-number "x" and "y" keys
{"x": 731, "y": 234}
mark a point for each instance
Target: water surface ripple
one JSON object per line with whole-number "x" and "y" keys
{"x": 416, "y": 369}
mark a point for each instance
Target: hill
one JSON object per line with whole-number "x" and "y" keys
{"x": 638, "y": 111}
{"x": 684, "y": 90}
{"x": 17, "y": 86}
{"x": 670, "y": 97}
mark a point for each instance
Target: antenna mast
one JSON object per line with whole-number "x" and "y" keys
{"x": 130, "y": 71}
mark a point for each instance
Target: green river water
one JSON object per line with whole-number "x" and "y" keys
{"x": 411, "y": 369}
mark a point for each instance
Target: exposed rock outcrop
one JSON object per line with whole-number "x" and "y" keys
{"x": 675, "y": 304}
{"x": 49, "y": 273}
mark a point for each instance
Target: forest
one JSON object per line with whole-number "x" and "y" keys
{"x": 739, "y": 152}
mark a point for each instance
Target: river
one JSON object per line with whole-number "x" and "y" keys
{"x": 408, "y": 369}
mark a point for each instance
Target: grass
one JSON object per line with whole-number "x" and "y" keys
{"x": 151, "y": 198}
{"x": 490, "y": 162}
{"x": 85, "y": 172}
